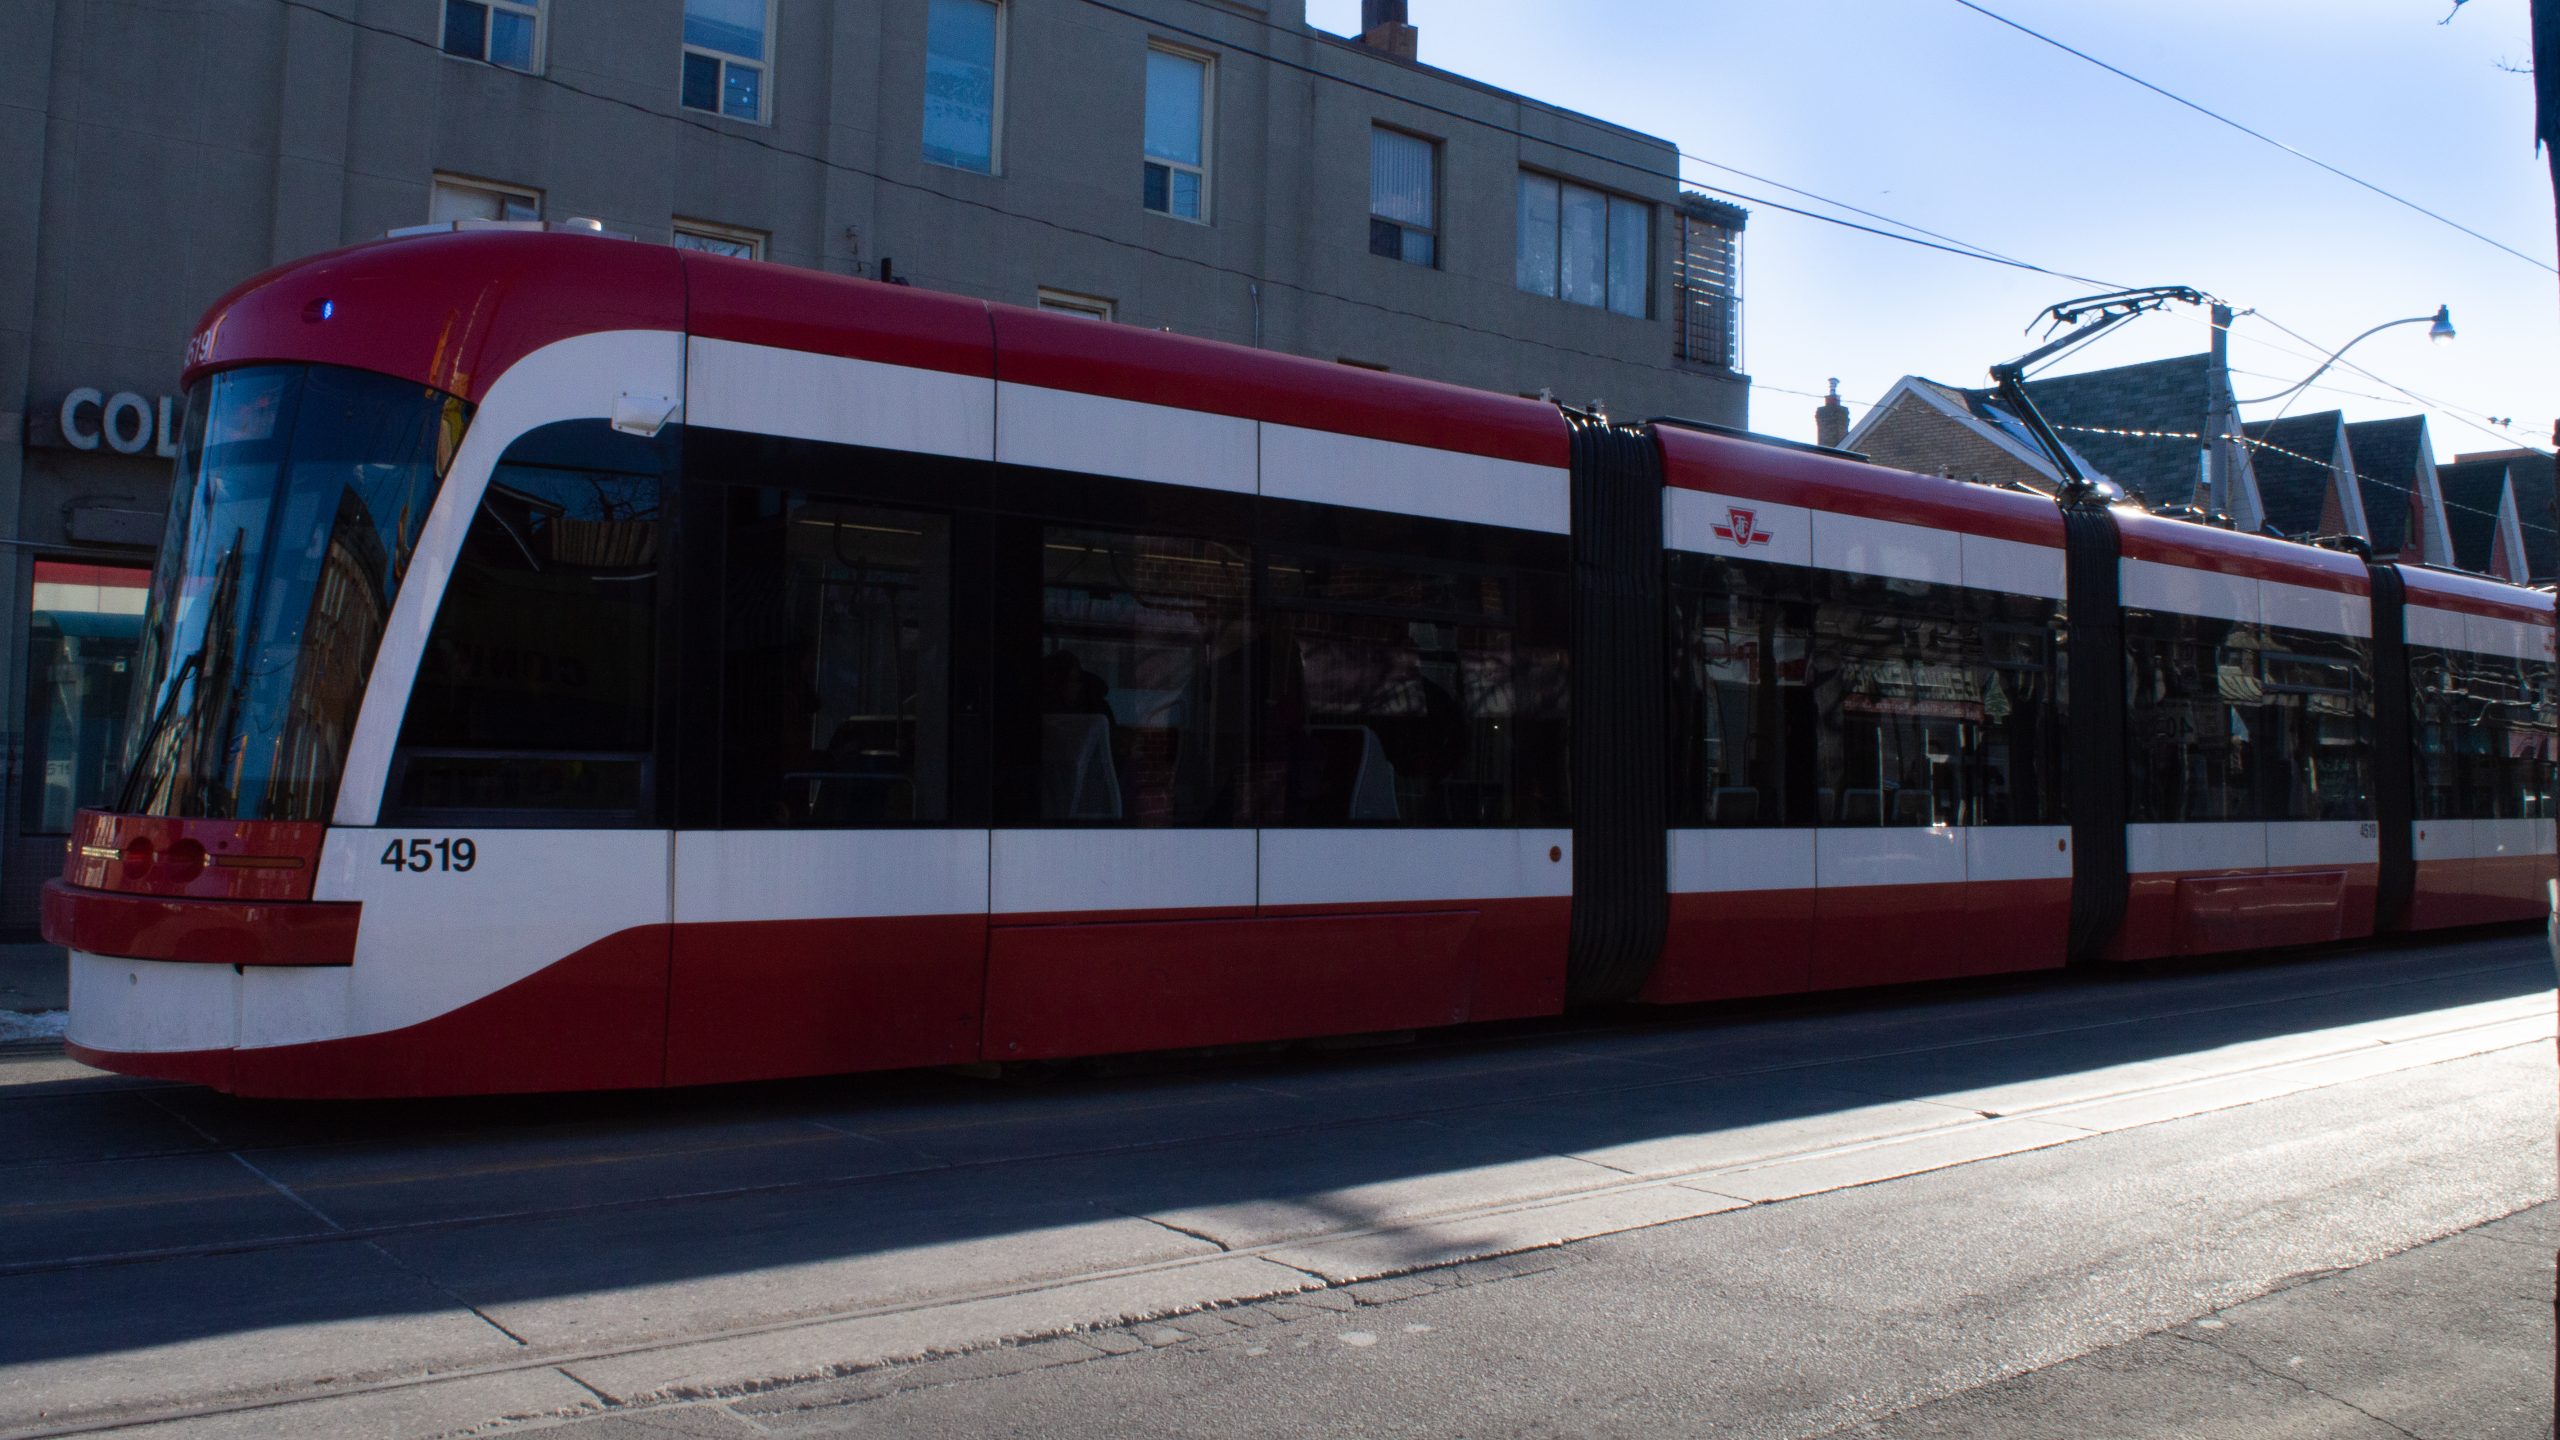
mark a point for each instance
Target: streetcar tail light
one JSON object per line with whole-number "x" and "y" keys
{"x": 181, "y": 863}
{"x": 194, "y": 859}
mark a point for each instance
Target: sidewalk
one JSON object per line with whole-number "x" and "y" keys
{"x": 33, "y": 977}
{"x": 2451, "y": 1338}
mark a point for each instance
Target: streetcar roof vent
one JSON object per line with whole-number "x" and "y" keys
{"x": 579, "y": 225}
{"x": 1709, "y": 427}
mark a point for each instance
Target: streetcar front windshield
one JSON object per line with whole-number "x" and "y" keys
{"x": 299, "y": 494}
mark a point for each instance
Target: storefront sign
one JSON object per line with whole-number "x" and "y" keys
{"x": 123, "y": 423}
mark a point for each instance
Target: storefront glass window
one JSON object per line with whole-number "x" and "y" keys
{"x": 84, "y": 621}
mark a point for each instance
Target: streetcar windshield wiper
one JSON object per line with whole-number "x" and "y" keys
{"x": 177, "y": 682}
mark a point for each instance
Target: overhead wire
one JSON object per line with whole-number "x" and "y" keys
{"x": 2254, "y": 134}
{"x": 2192, "y": 437}
{"x": 1907, "y": 232}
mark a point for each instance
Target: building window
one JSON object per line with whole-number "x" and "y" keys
{"x": 458, "y": 199}
{"x": 85, "y": 622}
{"x": 963, "y": 83}
{"x": 726, "y": 240}
{"x": 1177, "y": 160}
{"x": 724, "y": 57}
{"x": 1706, "y": 281}
{"x": 1404, "y": 197}
{"x": 1584, "y": 246}
{"x": 500, "y": 32}
{"x": 1067, "y": 302}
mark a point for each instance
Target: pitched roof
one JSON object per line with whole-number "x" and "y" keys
{"x": 2472, "y": 490}
{"x": 2532, "y": 473}
{"x": 2172, "y": 396}
{"x": 1986, "y": 411}
{"x": 2536, "y": 483}
{"x": 2386, "y": 460}
{"x": 2291, "y": 458}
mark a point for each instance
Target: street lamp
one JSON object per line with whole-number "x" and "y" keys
{"x": 2439, "y": 329}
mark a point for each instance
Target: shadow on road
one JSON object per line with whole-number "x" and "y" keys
{"x": 143, "y": 1216}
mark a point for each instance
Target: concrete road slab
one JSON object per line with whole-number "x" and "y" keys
{"x": 998, "y": 1125}
{"x": 1400, "y": 1249}
{"x": 56, "y": 1213}
{"x": 392, "y": 1414}
{"x": 635, "y": 1275}
{"x": 403, "y": 1183}
{"x": 1799, "y": 1319}
{"x": 124, "y": 1340}
{"x": 819, "y": 1349}
{"x": 1245, "y": 1193}
{"x": 1675, "y": 1127}
{"x": 1888, "y": 1159}
{"x": 89, "y": 1124}
{"x": 2452, "y": 1338}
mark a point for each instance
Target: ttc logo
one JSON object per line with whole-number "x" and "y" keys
{"x": 1743, "y": 530}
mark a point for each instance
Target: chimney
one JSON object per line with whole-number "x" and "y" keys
{"x": 1383, "y": 28}
{"x": 1831, "y": 422}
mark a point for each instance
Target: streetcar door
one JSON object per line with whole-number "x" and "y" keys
{"x": 833, "y": 917}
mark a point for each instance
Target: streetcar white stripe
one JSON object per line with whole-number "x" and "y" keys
{"x": 1722, "y": 861}
{"x": 2299, "y": 607}
{"x": 2012, "y": 567}
{"x": 2292, "y": 843}
{"x": 1366, "y": 867}
{"x": 1863, "y": 546}
{"x": 434, "y": 939}
{"x": 2180, "y": 590}
{"x": 2435, "y": 629}
{"x": 1365, "y": 474}
{"x": 1048, "y": 871}
{"x": 745, "y": 875}
{"x": 1888, "y": 855}
{"x": 146, "y": 1007}
{"x": 767, "y": 391}
{"x": 1780, "y": 534}
{"x": 2508, "y": 639}
{"x": 1101, "y": 435}
{"x": 2196, "y": 845}
{"x": 2017, "y": 852}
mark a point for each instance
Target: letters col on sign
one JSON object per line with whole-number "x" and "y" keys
{"x": 124, "y": 423}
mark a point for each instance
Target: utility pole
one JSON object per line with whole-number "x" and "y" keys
{"x": 2546, "y": 137}
{"x": 2222, "y": 427}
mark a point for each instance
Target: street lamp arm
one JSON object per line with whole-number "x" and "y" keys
{"x": 2442, "y": 320}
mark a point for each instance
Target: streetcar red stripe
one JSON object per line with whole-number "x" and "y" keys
{"x": 209, "y": 932}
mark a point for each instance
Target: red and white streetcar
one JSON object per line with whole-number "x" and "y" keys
{"x": 577, "y": 664}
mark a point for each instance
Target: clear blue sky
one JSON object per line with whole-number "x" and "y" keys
{"x": 1926, "y": 111}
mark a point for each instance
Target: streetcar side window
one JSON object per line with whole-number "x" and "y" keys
{"x": 2316, "y": 717}
{"x": 1142, "y": 671}
{"x": 2484, "y": 735}
{"x": 1741, "y": 709}
{"x": 1901, "y": 691}
{"x": 1403, "y": 691}
{"x": 2193, "y": 737}
{"x": 536, "y": 693}
{"x": 1815, "y": 697}
{"x": 2236, "y": 721}
{"x": 836, "y": 663}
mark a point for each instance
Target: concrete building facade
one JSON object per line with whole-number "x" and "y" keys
{"x": 1213, "y": 167}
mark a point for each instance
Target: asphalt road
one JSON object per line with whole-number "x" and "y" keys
{"x": 1779, "y": 1220}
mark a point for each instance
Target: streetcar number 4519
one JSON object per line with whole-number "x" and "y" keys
{"x": 421, "y": 856}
